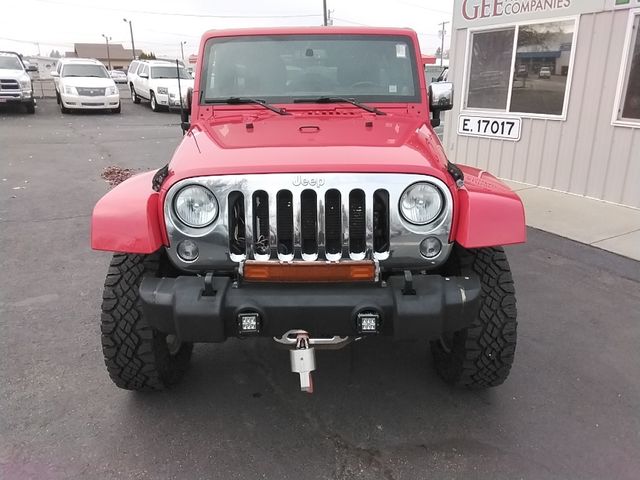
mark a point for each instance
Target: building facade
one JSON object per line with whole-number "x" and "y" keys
{"x": 116, "y": 57}
{"x": 547, "y": 92}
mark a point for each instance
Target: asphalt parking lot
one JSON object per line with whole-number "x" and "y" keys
{"x": 571, "y": 408}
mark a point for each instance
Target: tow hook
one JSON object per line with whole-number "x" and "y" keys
{"x": 303, "y": 354}
{"x": 303, "y": 361}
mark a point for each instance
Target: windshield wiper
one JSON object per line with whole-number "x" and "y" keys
{"x": 340, "y": 100}
{"x": 246, "y": 101}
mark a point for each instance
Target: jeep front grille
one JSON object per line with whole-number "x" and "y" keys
{"x": 311, "y": 217}
{"x": 306, "y": 228}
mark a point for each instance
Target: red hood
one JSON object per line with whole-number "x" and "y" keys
{"x": 309, "y": 142}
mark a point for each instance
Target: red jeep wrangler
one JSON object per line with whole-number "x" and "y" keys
{"x": 309, "y": 202}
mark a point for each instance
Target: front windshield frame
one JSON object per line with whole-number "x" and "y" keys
{"x": 65, "y": 69}
{"x": 16, "y": 66}
{"x": 184, "y": 75}
{"x": 416, "y": 98}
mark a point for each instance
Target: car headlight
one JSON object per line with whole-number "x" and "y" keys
{"x": 111, "y": 91}
{"x": 421, "y": 203}
{"x": 25, "y": 83}
{"x": 70, "y": 90}
{"x": 163, "y": 90}
{"x": 196, "y": 206}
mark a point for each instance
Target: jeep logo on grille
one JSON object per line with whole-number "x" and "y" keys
{"x": 308, "y": 182}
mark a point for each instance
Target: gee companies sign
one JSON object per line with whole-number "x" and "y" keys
{"x": 484, "y": 12}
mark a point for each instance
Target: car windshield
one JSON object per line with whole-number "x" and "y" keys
{"x": 10, "y": 63}
{"x": 168, "y": 72}
{"x": 284, "y": 68}
{"x": 86, "y": 70}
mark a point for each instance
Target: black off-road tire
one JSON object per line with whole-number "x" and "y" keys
{"x": 137, "y": 356}
{"x": 31, "y": 107}
{"x": 153, "y": 103}
{"x": 481, "y": 355}
{"x": 134, "y": 95}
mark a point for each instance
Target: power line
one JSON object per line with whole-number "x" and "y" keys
{"x": 351, "y": 22}
{"x": 176, "y": 14}
{"x": 425, "y": 8}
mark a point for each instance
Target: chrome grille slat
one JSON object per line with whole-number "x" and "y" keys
{"x": 368, "y": 232}
{"x": 273, "y": 222}
{"x": 297, "y": 225}
{"x": 248, "y": 226}
{"x": 345, "y": 225}
{"x": 320, "y": 226}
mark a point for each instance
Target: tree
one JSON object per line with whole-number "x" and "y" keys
{"x": 147, "y": 56}
{"x": 438, "y": 52}
{"x": 55, "y": 54}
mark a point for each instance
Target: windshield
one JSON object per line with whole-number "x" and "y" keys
{"x": 10, "y": 63}
{"x": 87, "y": 70}
{"x": 282, "y": 68}
{"x": 169, "y": 72}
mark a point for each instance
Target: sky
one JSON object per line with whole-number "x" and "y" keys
{"x": 160, "y": 25}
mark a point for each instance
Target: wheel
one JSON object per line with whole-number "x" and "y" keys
{"x": 31, "y": 107}
{"x": 154, "y": 105}
{"x": 63, "y": 109}
{"x": 481, "y": 355}
{"x": 137, "y": 356}
{"x": 134, "y": 95}
{"x": 58, "y": 98}
{"x": 118, "y": 109}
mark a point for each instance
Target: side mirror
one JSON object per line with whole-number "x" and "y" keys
{"x": 144, "y": 75}
{"x": 32, "y": 68}
{"x": 184, "y": 120}
{"x": 54, "y": 74}
{"x": 440, "y": 99}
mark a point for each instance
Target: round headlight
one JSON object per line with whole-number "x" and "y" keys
{"x": 196, "y": 206}
{"x": 421, "y": 203}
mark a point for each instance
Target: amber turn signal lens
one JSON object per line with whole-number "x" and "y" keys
{"x": 309, "y": 272}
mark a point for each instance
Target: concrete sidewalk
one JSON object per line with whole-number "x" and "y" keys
{"x": 604, "y": 225}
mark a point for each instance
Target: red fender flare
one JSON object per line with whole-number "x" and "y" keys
{"x": 489, "y": 212}
{"x": 127, "y": 219}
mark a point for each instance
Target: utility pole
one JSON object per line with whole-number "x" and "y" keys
{"x": 184, "y": 42}
{"x": 108, "y": 54}
{"x": 442, "y": 33}
{"x": 324, "y": 11}
{"x": 133, "y": 45}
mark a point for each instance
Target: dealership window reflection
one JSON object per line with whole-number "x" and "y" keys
{"x": 538, "y": 82}
{"x": 631, "y": 92}
{"x": 541, "y": 68}
{"x": 490, "y": 69}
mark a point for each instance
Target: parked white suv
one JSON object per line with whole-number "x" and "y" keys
{"x": 131, "y": 73}
{"x": 85, "y": 84}
{"x": 15, "y": 83}
{"x": 157, "y": 82}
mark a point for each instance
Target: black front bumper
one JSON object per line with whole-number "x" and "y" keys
{"x": 11, "y": 100}
{"x": 434, "y": 305}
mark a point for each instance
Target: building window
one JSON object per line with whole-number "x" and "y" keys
{"x": 521, "y": 69}
{"x": 629, "y": 103}
{"x": 490, "y": 69}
